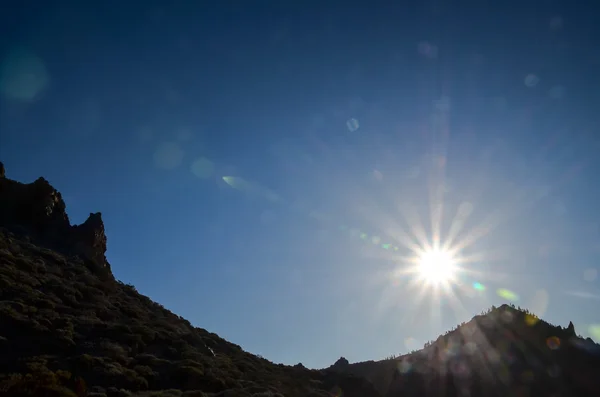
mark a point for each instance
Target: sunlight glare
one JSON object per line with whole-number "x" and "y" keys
{"x": 436, "y": 266}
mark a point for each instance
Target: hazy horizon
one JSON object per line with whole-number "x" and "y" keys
{"x": 269, "y": 171}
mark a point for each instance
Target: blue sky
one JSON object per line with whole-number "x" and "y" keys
{"x": 342, "y": 133}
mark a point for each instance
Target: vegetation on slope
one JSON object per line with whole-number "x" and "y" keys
{"x": 66, "y": 332}
{"x": 504, "y": 351}
{"x": 68, "y": 328}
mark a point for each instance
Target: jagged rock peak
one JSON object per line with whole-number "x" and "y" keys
{"x": 571, "y": 329}
{"x": 340, "y": 363}
{"x": 38, "y": 210}
{"x": 89, "y": 239}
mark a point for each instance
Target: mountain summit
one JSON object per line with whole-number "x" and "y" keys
{"x": 504, "y": 351}
{"x": 68, "y": 328}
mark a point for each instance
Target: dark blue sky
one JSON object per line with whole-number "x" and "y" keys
{"x": 261, "y": 166}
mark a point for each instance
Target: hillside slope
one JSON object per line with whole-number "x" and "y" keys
{"x": 504, "y": 352}
{"x": 68, "y": 328}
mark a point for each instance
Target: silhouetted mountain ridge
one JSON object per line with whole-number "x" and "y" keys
{"x": 68, "y": 328}
{"x": 496, "y": 353}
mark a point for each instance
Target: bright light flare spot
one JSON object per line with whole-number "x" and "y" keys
{"x": 479, "y": 286}
{"x": 404, "y": 366}
{"x": 540, "y": 302}
{"x": 595, "y": 331}
{"x": 237, "y": 183}
{"x": 352, "y": 125}
{"x": 553, "y": 342}
{"x": 202, "y": 168}
{"x": 230, "y": 180}
{"x": 507, "y": 294}
{"x": 411, "y": 343}
{"x": 531, "y": 80}
{"x": 436, "y": 266}
{"x": 23, "y": 76}
{"x": 531, "y": 320}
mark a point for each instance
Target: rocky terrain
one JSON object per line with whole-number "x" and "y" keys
{"x": 506, "y": 351}
{"x": 69, "y": 328}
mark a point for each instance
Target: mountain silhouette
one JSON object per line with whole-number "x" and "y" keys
{"x": 505, "y": 351}
{"x": 69, "y": 328}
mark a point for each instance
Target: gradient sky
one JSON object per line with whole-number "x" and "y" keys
{"x": 346, "y": 135}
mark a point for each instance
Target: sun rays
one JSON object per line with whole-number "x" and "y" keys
{"x": 436, "y": 267}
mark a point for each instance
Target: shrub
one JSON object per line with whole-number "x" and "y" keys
{"x": 42, "y": 383}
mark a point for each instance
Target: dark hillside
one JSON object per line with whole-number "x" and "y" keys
{"x": 67, "y": 327}
{"x": 506, "y": 351}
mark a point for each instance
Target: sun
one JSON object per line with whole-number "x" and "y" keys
{"x": 436, "y": 267}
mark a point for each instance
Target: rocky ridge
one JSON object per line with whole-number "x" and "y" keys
{"x": 36, "y": 210}
{"x": 504, "y": 351}
{"x": 68, "y": 328}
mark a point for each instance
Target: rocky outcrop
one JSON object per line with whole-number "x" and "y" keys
{"x": 89, "y": 239}
{"x": 340, "y": 365}
{"x": 38, "y": 210}
{"x": 460, "y": 360}
{"x": 571, "y": 329}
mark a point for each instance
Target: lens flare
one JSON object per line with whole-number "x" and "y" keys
{"x": 507, "y": 294}
{"x": 436, "y": 266}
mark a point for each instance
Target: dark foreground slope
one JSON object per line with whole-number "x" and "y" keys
{"x": 68, "y": 328}
{"x": 505, "y": 352}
